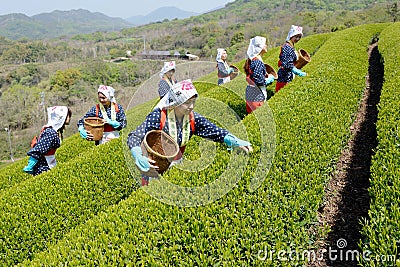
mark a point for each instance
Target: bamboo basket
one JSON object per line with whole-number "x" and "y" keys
{"x": 160, "y": 147}
{"x": 271, "y": 70}
{"x": 235, "y": 73}
{"x": 303, "y": 59}
{"x": 95, "y": 126}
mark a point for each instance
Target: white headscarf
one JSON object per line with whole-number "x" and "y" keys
{"x": 167, "y": 67}
{"x": 108, "y": 91}
{"x": 255, "y": 46}
{"x": 219, "y": 54}
{"x": 178, "y": 94}
{"x": 56, "y": 116}
{"x": 294, "y": 30}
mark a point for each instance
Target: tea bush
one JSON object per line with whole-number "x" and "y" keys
{"x": 381, "y": 230}
{"x": 92, "y": 214}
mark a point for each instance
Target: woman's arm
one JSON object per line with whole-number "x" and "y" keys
{"x": 90, "y": 113}
{"x": 222, "y": 71}
{"x": 206, "y": 129}
{"x": 121, "y": 118}
{"x": 259, "y": 72}
{"x": 152, "y": 122}
{"x": 47, "y": 140}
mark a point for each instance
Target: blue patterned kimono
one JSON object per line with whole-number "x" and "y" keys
{"x": 164, "y": 87}
{"x": 203, "y": 128}
{"x": 121, "y": 117}
{"x": 48, "y": 141}
{"x": 287, "y": 58}
{"x": 223, "y": 69}
{"x": 258, "y": 74}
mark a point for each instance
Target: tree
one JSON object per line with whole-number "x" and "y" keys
{"x": 211, "y": 41}
{"x": 393, "y": 11}
{"x": 238, "y": 37}
{"x": 115, "y": 52}
{"x": 65, "y": 79}
{"x": 196, "y": 31}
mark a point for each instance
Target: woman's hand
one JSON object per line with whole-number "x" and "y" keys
{"x": 89, "y": 136}
{"x": 232, "y": 141}
{"x": 142, "y": 162}
{"x": 247, "y": 149}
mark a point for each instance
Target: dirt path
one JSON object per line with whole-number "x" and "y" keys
{"x": 346, "y": 196}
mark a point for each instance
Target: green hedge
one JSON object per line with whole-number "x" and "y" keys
{"x": 39, "y": 211}
{"x": 81, "y": 184}
{"x": 312, "y": 114}
{"x": 13, "y": 174}
{"x": 381, "y": 230}
{"x": 70, "y": 148}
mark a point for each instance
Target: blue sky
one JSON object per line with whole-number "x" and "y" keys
{"x": 114, "y": 8}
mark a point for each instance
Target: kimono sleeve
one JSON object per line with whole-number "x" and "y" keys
{"x": 152, "y": 122}
{"x": 48, "y": 140}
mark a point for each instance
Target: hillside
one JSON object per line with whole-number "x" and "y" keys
{"x": 161, "y": 14}
{"x": 58, "y": 23}
{"x": 238, "y": 21}
{"x": 220, "y": 207}
{"x": 68, "y": 69}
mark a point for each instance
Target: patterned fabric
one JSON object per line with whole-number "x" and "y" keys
{"x": 56, "y": 117}
{"x": 108, "y": 91}
{"x": 294, "y": 30}
{"x": 121, "y": 118}
{"x": 48, "y": 140}
{"x": 223, "y": 69}
{"x": 254, "y": 94}
{"x": 203, "y": 128}
{"x": 179, "y": 94}
{"x": 164, "y": 86}
{"x": 287, "y": 58}
{"x": 167, "y": 67}
{"x": 258, "y": 72}
{"x": 256, "y": 45}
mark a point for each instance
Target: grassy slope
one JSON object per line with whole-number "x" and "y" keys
{"x": 233, "y": 228}
{"x": 381, "y": 231}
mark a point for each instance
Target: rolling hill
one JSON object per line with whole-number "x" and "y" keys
{"x": 161, "y": 14}
{"x": 58, "y": 23}
{"x": 92, "y": 212}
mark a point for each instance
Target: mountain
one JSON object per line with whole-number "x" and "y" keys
{"x": 16, "y": 26}
{"x": 161, "y": 14}
{"x": 58, "y": 23}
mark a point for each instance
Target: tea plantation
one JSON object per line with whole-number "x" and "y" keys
{"x": 220, "y": 208}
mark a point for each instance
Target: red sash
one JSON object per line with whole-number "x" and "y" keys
{"x": 35, "y": 140}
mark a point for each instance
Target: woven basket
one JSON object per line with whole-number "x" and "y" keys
{"x": 235, "y": 73}
{"x": 95, "y": 126}
{"x": 160, "y": 147}
{"x": 303, "y": 59}
{"x": 271, "y": 70}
